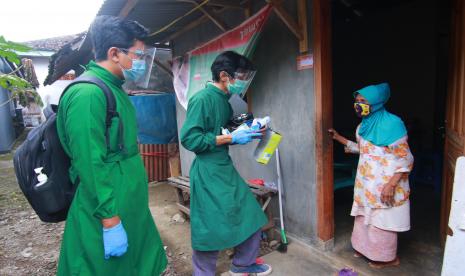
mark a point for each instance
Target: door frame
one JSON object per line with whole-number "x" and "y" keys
{"x": 322, "y": 52}
{"x": 322, "y": 49}
{"x": 455, "y": 112}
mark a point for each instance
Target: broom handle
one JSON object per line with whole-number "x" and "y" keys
{"x": 280, "y": 189}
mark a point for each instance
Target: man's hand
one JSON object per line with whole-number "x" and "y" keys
{"x": 243, "y": 137}
{"x": 110, "y": 222}
{"x": 115, "y": 241}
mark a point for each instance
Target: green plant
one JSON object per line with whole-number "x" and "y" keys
{"x": 20, "y": 88}
{"x": 8, "y": 50}
{"x": 27, "y": 96}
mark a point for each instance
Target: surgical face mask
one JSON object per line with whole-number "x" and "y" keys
{"x": 242, "y": 80}
{"x": 362, "y": 109}
{"x": 237, "y": 87}
{"x": 136, "y": 72}
{"x": 138, "y": 76}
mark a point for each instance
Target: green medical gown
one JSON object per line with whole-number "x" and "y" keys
{"x": 224, "y": 211}
{"x": 111, "y": 184}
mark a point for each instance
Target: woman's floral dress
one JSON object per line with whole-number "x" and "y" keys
{"x": 376, "y": 167}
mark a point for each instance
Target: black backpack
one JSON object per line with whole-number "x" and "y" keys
{"x": 42, "y": 148}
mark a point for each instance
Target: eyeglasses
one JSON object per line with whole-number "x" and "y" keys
{"x": 242, "y": 75}
{"x": 140, "y": 54}
{"x": 245, "y": 74}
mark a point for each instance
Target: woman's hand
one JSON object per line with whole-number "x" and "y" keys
{"x": 336, "y": 136}
{"x": 389, "y": 190}
{"x": 333, "y": 133}
{"x": 387, "y": 194}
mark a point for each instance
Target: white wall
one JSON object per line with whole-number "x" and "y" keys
{"x": 41, "y": 67}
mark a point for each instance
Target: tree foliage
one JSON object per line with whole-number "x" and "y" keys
{"x": 9, "y": 49}
{"x": 21, "y": 89}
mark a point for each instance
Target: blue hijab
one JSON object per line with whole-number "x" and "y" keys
{"x": 380, "y": 127}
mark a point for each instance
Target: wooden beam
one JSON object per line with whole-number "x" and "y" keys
{"x": 248, "y": 95}
{"x": 219, "y": 3}
{"x": 191, "y": 26}
{"x": 225, "y": 4}
{"x": 128, "y": 7}
{"x": 218, "y": 22}
{"x": 323, "y": 119}
{"x": 183, "y": 209}
{"x": 174, "y": 160}
{"x": 185, "y": 179}
{"x": 207, "y": 11}
{"x": 302, "y": 15}
{"x": 187, "y": 28}
{"x": 282, "y": 13}
{"x": 248, "y": 9}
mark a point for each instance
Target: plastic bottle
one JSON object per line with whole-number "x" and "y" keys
{"x": 41, "y": 177}
{"x": 260, "y": 123}
{"x": 244, "y": 126}
{"x": 48, "y": 195}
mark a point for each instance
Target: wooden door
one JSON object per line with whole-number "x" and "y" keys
{"x": 455, "y": 111}
{"x": 322, "y": 51}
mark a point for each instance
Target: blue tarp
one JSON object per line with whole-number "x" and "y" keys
{"x": 156, "y": 118}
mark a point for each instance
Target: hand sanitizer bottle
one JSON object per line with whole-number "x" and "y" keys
{"x": 49, "y": 195}
{"x": 41, "y": 177}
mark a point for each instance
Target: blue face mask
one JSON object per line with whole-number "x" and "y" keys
{"x": 136, "y": 72}
{"x": 238, "y": 87}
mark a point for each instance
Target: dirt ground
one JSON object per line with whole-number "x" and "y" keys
{"x": 31, "y": 247}
{"x": 27, "y": 245}
{"x": 176, "y": 234}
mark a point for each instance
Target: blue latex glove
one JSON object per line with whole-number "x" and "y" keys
{"x": 243, "y": 137}
{"x": 115, "y": 241}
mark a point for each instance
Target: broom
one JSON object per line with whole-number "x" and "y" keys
{"x": 283, "y": 246}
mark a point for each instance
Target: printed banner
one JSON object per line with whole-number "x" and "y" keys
{"x": 192, "y": 71}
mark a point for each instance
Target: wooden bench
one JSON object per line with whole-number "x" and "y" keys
{"x": 182, "y": 190}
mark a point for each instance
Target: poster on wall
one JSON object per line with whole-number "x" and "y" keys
{"x": 304, "y": 62}
{"x": 192, "y": 71}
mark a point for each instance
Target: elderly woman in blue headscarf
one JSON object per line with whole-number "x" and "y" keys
{"x": 381, "y": 204}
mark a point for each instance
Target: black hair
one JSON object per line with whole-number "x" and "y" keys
{"x": 111, "y": 31}
{"x": 230, "y": 62}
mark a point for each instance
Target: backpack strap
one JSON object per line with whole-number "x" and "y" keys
{"x": 111, "y": 111}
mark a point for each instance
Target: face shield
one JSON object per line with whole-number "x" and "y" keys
{"x": 242, "y": 81}
{"x": 139, "y": 74}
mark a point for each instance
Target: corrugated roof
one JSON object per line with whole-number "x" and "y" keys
{"x": 154, "y": 14}
{"x": 36, "y": 53}
{"x": 157, "y": 15}
{"x": 50, "y": 44}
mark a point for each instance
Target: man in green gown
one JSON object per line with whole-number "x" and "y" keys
{"x": 224, "y": 212}
{"x": 109, "y": 229}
